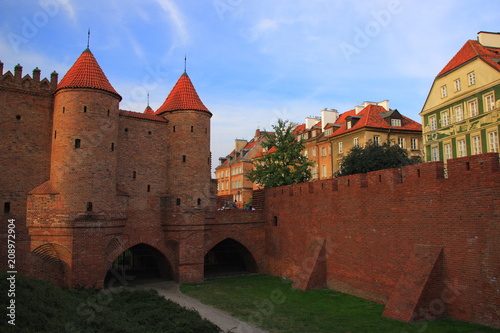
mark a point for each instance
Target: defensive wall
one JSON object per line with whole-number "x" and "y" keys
{"x": 425, "y": 245}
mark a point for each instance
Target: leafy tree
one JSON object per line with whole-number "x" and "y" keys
{"x": 284, "y": 163}
{"x": 374, "y": 157}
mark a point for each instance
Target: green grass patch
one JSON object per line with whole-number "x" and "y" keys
{"x": 42, "y": 307}
{"x": 272, "y": 304}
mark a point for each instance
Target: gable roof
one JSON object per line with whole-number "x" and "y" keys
{"x": 183, "y": 97}
{"x": 146, "y": 116}
{"x": 86, "y": 73}
{"x": 373, "y": 116}
{"x": 472, "y": 49}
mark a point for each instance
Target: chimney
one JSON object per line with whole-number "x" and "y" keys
{"x": 311, "y": 121}
{"x": 489, "y": 39}
{"x": 256, "y": 135}
{"x": 239, "y": 144}
{"x": 328, "y": 116}
{"x": 36, "y": 74}
{"x": 384, "y": 104}
{"x": 358, "y": 108}
{"x": 18, "y": 72}
{"x": 53, "y": 80}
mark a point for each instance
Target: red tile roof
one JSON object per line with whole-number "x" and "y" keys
{"x": 139, "y": 115}
{"x": 473, "y": 49}
{"x": 371, "y": 116}
{"x": 183, "y": 97}
{"x": 86, "y": 73}
{"x": 149, "y": 110}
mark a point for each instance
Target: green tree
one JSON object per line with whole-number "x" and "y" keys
{"x": 374, "y": 157}
{"x": 284, "y": 163}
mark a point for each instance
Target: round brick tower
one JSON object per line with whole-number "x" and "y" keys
{"x": 188, "y": 150}
{"x": 85, "y": 135}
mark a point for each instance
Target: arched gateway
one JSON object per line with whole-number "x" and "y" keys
{"x": 228, "y": 257}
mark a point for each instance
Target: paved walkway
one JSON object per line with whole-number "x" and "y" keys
{"x": 170, "y": 290}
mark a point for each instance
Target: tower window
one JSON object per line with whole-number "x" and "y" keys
{"x": 275, "y": 221}
{"x": 84, "y": 109}
{"x": 108, "y": 113}
{"x": 6, "y": 207}
{"x": 18, "y": 117}
{"x": 55, "y": 134}
{"x": 149, "y": 188}
{"x": 126, "y": 130}
{"x": 173, "y": 128}
{"x": 89, "y": 207}
{"x": 178, "y": 202}
{"x": 192, "y": 129}
{"x": 112, "y": 146}
{"x": 77, "y": 143}
{"x": 134, "y": 174}
{"x": 149, "y": 132}
{"x": 184, "y": 158}
{"x": 199, "y": 201}
{"x": 64, "y": 109}
{"x": 206, "y": 130}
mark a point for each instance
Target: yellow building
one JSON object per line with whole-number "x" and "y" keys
{"x": 461, "y": 113}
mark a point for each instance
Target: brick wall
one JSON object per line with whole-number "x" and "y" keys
{"x": 370, "y": 224}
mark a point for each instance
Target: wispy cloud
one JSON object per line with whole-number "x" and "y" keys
{"x": 177, "y": 18}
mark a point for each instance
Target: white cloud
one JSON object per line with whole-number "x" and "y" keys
{"x": 177, "y": 18}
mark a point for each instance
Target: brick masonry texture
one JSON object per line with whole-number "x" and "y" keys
{"x": 426, "y": 245}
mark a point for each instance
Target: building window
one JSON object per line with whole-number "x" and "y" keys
{"x": 183, "y": 158}
{"x": 84, "y": 109}
{"x": 433, "y": 123}
{"x": 323, "y": 151}
{"x": 149, "y": 132}
{"x": 401, "y": 142}
{"x": 396, "y": 122}
{"x": 329, "y": 132}
{"x": 435, "y": 153}
{"x": 78, "y": 143}
{"x": 64, "y": 109}
{"x": 493, "y": 140}
{"x": 323, "y": 170}
{"x": 314, "y": 172}
{"x": 341, "y": 149}
{"x": 473, "y": 110}
{"x": 134, "y": 174}
{"x": 447, "y": 151}
{"x": 306, "y": 153}
{"x": 314, "y": 151}
{"x": 471, "y": 77}
{"x": 356, "y": 142}
{"x": 349, "y": 124}
{"x": 476, "y": 145}
{"x": 108, "y": 113}
{"x": 6, "y": 207}
{"x": 178, "y": 202}
{"x": 126, "y": 130}
{"x": 89, "y": 207}
{"x": 199, "y": 202}
{"x": 445, "y": 118}
{"x": 149, "y": 188}
{"x": 458, "y": 85}
{"x": 55, "y": 134}
{"x": 459, "y": 113}
{"x": 376, "y": 140}
{"x": 112, "y": 146}
{"x": 275, "y": 221}
{"x": 490, "y": 102}
{"x": 192, "y": 129}
{"x": 461, "y": 148}
{"x": 414, "y": 143}
{"x": 444, "y": 91}
{"x": 173, "y": 128}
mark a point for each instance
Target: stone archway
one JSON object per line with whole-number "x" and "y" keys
{"x": 139, "y": 263}
{"x": 229, "y": 257}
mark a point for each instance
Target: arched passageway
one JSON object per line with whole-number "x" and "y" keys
{"x": 229, "y": 257}
{"x": 139, "y": 263}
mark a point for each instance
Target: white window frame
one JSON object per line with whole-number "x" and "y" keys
{"x": 445, "y": 118}
{"x": 414, "y": 143}
{"x": 471, "y": 78}
{"x": 459, "y": 113}
{"x": 433, "y": 123}
{"x": 396, "y": 122}
{"x": 489, "y": 102}
{"x": 323, "y": 151}
{"x": 401, "y": 142}
{"x": 476, "y": 145}
{"x": 323, "y": 171}
{"x": 473, "y": 109}
{"x": 462, "y": 148}
{"x": 376, "y": 139}
{"x": 313, "y": 151}
{"x": 493, "y": 141}
{"x": 444, "y": 91}
{"x": 447, "y": 151}
{"x": 341, "y": 148}
{"x": 435, "y": 153}
{"x": 458, "y": 85}
{"x": 356, "y": 142}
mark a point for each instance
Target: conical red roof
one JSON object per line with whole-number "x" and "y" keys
{"x": 149, "y": 110}
{"x": 183, "y": 97}
{"x": 86, "y": 73}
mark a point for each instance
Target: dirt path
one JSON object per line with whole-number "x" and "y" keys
{"x": 170, "y": 290}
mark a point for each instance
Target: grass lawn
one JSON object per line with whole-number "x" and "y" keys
{"x": 272, "y": 304}
{"x": 42, "y": 307}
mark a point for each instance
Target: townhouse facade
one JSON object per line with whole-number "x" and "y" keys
{"x": 461, "y": 114}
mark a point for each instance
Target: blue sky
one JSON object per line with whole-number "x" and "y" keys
{"x": 251, "y": 61}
